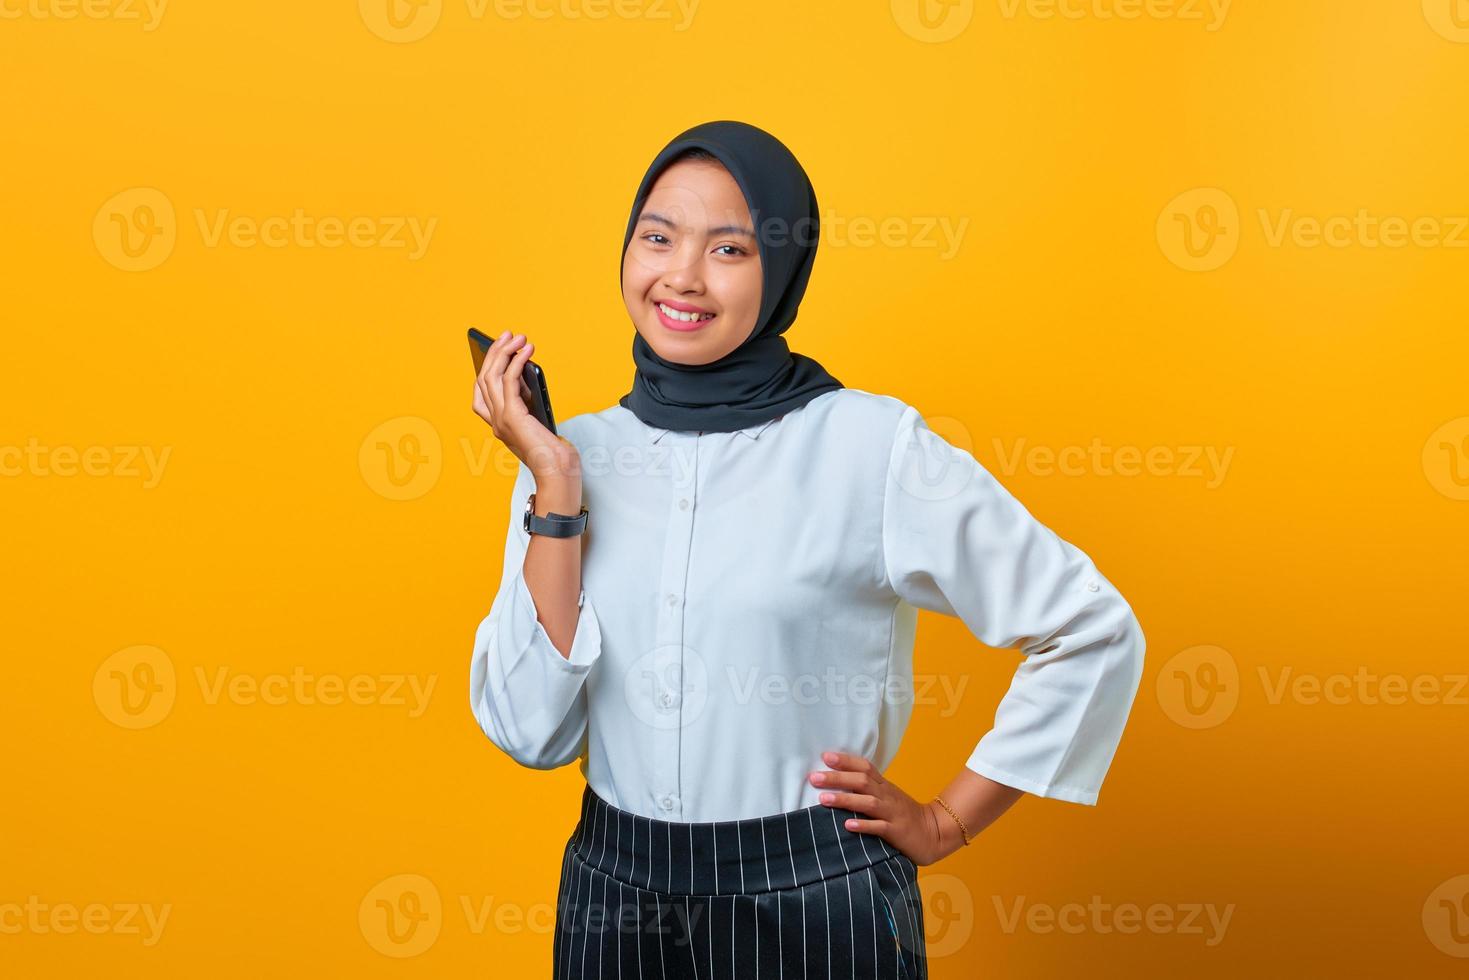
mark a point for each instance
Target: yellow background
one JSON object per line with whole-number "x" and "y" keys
{"x": 1333, "y": 544}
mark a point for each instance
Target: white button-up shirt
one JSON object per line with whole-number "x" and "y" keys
{"x": 749, "y": 601}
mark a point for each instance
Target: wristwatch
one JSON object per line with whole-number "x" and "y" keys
{"x": 553, "y": 525}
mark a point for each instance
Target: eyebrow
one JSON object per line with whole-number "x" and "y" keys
{"x": 657, "y": 218}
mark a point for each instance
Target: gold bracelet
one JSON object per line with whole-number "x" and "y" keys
{"x": 963, "y": 830}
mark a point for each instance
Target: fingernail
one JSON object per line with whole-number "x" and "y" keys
{"x": 817, "y": 777}
{"x": 505, "y": 334}
{"x": 827, "y": 797}
{"x": 829, "y": 757}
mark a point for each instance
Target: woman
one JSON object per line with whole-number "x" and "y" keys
{"x": 714, "y": 610}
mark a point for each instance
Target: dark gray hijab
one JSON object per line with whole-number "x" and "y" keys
{"x": 762, "y": 378}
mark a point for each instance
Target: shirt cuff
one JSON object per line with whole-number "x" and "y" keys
{"x": 526, "y": 633}
{"x": 1071, "y": 794}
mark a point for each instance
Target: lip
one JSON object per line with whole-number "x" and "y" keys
{"x": 682, "y": 307}
{"x": 680, "y": 325}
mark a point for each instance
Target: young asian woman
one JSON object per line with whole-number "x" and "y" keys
{"x": 725, "y": 640}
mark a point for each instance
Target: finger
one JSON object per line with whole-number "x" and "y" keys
{"x": 489, "y": 360}
{"x": 848, "y": 762}
{"x": 510, "y": 381}
{"x": 856, "y": 781}
{"x": 878, "y": 828}
{"x": 861, "y": 802}
{"x": 495, "y": 372}
{"x": 480, "y": 408}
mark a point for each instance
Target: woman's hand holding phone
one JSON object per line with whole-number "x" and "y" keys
{"x": 552, "y": 566}
{"x": 500, "y": 401}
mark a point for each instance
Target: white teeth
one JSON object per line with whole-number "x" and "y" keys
{"x": 673, "y": 314}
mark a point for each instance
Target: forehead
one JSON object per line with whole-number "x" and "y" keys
{"x": 698, "y": 193}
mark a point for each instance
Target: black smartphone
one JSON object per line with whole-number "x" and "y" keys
{"x": 532, "y": 380}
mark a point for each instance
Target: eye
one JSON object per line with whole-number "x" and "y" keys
{"x": 654, "y": 234}
{"x": 737, "y": 249}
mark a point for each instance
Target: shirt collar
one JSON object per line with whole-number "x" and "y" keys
{"x": 654, "y": 434}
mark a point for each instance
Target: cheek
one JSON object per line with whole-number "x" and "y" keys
{"x": 739, "y": 291}
{"x": 748, "y": 302}
{"x": 635, "y": 282}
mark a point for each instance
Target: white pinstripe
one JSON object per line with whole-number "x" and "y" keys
{"x": 584, "y": 932}
{"x": 851, "y": 917}
{"x": 662, "y": 967}
{"x": 913, "y": 929}
{"x": 825, "y": 898}
{"x": 562, "y": 910}
{"x": 601, "y": 940}
{"x": 688, "y": 916}
{"x": 872, "y": 897}
{"x": 618, "y": 858}
{"x": 604, "y": 845}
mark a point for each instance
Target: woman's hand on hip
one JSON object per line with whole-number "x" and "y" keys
{"x": 500, "y": 401}
{"x": 855, "y": 784}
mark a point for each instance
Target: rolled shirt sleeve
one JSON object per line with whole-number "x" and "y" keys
{"x": 956, "y": 542}
{"x": 529, "y": 699}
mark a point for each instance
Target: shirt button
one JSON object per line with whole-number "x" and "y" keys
{"x": 666, "y": 699}
{"x": 666, "y": 802}
{"x": 683, "y": 503}
{"x": 1092, "y": 587}
{"x": 672, "y": 599}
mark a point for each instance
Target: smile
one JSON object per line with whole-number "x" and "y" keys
{"x": 669, "y": 311}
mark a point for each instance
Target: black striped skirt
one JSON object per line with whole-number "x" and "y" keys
{"x": 787, "y": 895}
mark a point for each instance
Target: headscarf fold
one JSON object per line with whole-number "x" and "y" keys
{"x": 762, "y": 378}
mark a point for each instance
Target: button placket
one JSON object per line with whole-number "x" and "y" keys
{"x": 669, "y": 685}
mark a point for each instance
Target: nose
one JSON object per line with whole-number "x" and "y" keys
{"x": 685, "y": 276}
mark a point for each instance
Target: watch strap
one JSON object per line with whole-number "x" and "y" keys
{"x": 553, "y": 525}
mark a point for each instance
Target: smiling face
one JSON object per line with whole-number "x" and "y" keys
{"x": 691, "y": 277}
